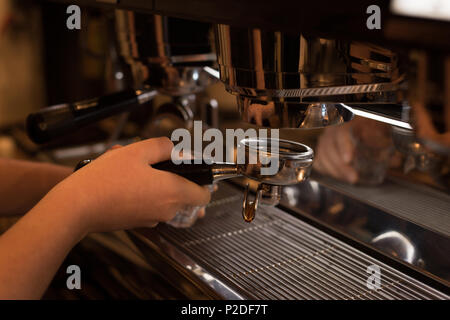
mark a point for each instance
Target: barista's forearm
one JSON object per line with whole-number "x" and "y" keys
{"x": 32, "y": 250}
{"x": 24, "y": 183}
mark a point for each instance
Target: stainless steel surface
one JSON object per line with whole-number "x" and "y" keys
{"x": 409, "y": 215}
{"x": 321, "y": 115}
{"x": 271, "y": 195}
{"x": 224, "y": 171}
{"x": 272, "y": 163}
{"x": 429, "y": 97}
{"x": 293, "y": 115}
{"x": 277, "y": 257}
{"x": 293, "y": 161}
{"x": 145, "y": 96}
{"x": 181, "y": 81}
{"x": 417, "y": 156}
{"x": 417, "y": 203}
{"x": 266, "y": 194}
{"x": 170, "y": 116}
{"x": 258, "y": 63}
{"x": 165, "y": 53}
{"x": 277, "y": 76}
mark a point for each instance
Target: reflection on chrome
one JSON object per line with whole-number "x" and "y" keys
{"x": 398, "y": 243}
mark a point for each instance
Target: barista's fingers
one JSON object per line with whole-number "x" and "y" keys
{"x": 342, "y": 171}
{"x": 330, "y": 161}
{"x": 201, "y": 213}
{"x": 258, "y": 117}
{"x": 152, "y": 224}
{"x": 345, "y": 145}
{"x": 349, "y": 174}
{"x": 396, "y": 160}
{"x": 114, "y": 147}
{"x": 318, "y": 161}
{"x": 321, "y": 163}
{"x": 196, "y": 195}
{"x": 329, "y": 168}
{"x": 328, "y": 148}
{"x": 317, "y": 164}
{"x": 153, "y": 150}
{"x": 186, "y": 192}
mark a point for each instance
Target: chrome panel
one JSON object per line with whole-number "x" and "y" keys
{"x": 165, "y": 53}
{"x": 185, "y": 261}
{"x": 255, "y": 62}
{"x": 408, "y": 222}
{"x": 277, "y": 256}
{"x": 278, "y": 77}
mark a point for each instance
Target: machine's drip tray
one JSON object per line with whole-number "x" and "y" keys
{"x": 281, "y": 257}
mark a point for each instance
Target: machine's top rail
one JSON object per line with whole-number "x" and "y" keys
{"x": 325, "y": 18}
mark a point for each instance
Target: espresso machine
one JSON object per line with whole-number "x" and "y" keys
{"x": 300, "y": 67}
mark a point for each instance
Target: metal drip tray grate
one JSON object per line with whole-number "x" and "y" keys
{"x": 281, "y": 257}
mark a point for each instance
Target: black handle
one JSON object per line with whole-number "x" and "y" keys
{"x": 55, "y": 121}
{"x": 199, "y": 173}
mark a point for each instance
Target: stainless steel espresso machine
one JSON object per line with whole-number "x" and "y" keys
{"x": 303, "y": 68}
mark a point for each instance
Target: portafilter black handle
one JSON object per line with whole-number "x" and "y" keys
{"x": 56, "y": 121}
{"x": 201, "y": 174}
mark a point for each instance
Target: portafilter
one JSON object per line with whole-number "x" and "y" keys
{"x": 270, "y": 162}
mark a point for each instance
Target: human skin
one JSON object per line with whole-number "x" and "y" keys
{"x": 24, "y": 183}
{"x": 119, "y": 190}
{"x": 336, "y": 148}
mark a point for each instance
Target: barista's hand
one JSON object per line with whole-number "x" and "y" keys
{"x": 119, "y": 190}
{"x": 201, "y": 212}
{"x": 336, "y": 148}
{"x": 334, "y": 153}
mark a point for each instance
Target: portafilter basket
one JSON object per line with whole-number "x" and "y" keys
{"x": 271, "y": 162}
